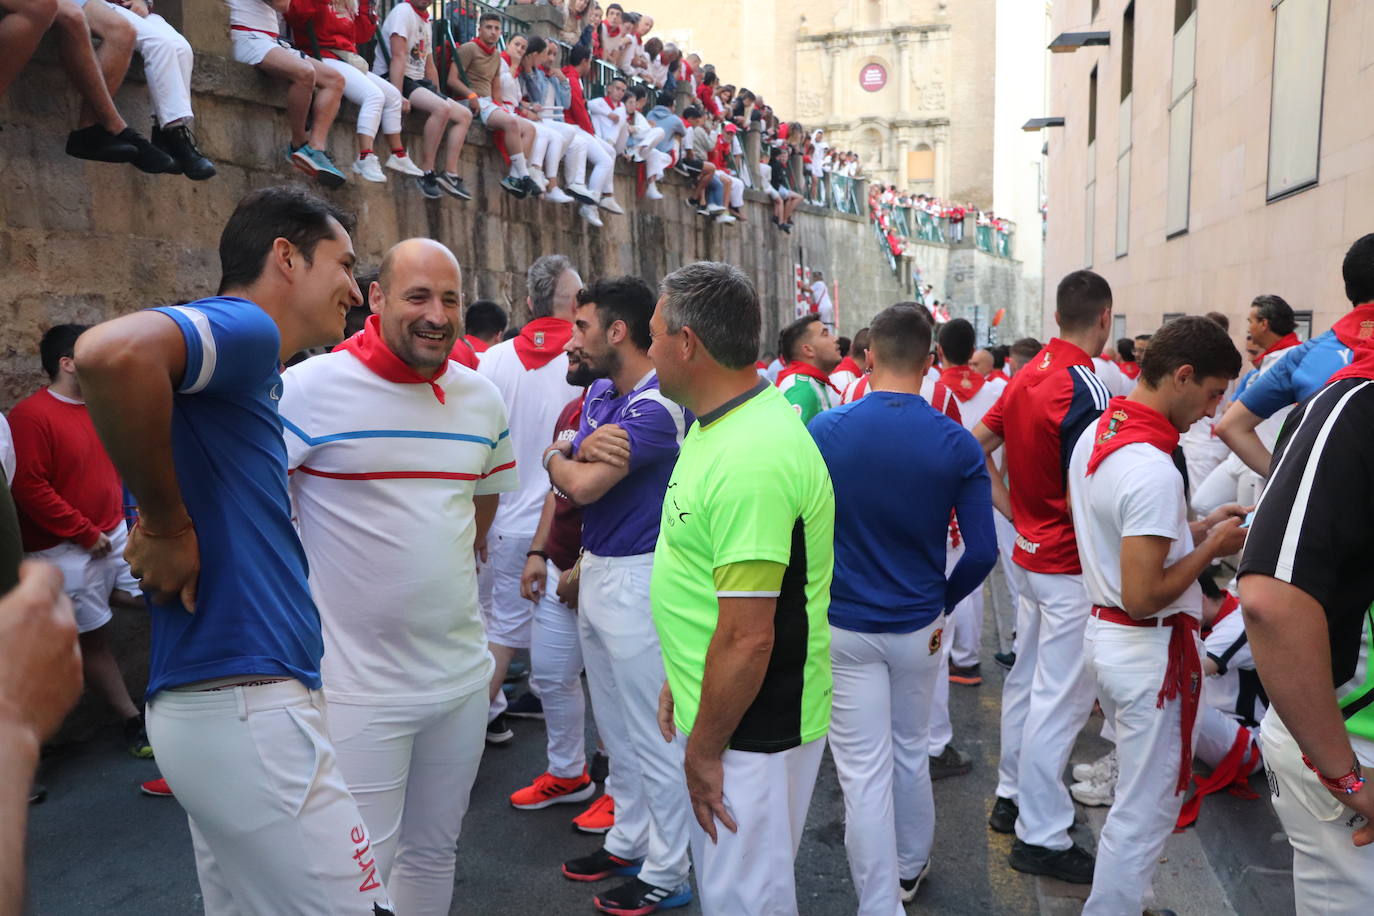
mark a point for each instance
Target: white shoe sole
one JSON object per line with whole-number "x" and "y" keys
{"x": 910, "y": 895}
{"x": 610, "y": 206}
{"x": 1090, "y": 796}
{"x": 414, "y": 171}
{"x": 580, "y": 795}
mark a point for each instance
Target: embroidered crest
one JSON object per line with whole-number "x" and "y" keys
{"x": 966, "y": 382}
{"x": 1045, "y": 363}
{"x": 539, "y": 339}
{"x": 1113, "y": 425}
{"x": 1366, "y": 330}
{"x": 935, "y": 640}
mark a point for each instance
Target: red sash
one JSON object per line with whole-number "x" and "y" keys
{"x": 800, "y": 368}
{"x": 541, "y": 340}
{"x": 848, "y": 365}
{"x": 478, "y": 344}
{"x": 367, "y": 345}
{"x": 1126, "y": 421}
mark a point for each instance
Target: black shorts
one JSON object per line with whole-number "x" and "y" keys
{"x": 691, "y": 166}
{"x": 409, "y": 85}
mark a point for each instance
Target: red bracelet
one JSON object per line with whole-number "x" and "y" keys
{"x": 1348, "y": 784}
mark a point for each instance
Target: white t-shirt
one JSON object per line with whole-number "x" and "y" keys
{"x": 6, "y": 451}
{"x": 824, "y": 307}
{"x": 1136, "y": 491}
{"x": 404, "y": 21}
{"x": 843, "y": 379}
{"x": 601, "y": 111}
{"x": 254, "y": 14}
{"x": 534, "y": 398}
{"x": 382, "y": 481}
{"x": 1222, "y": 690}
{"x": 510, "y": 86}
{"x": 1112, "y": 377}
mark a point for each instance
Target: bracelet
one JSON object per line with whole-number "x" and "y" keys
{"x": 548, "y": 455}
{"x": 471, "y": 96}
{"x": 536, "y": 553}
{"x": 1348, "y": 784}
{"x": 166, "y": 537}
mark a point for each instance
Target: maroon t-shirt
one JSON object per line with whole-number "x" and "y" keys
{"x": 565, "y": 534}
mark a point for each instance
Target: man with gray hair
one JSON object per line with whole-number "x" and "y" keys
{"x": 740, "y": 589}
{"x": 530, "y": 370}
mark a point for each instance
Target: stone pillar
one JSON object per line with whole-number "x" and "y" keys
{"x": 541, "y": 20}
{"x": 941, "y": 144}
{"x": 205, "y": 23}
{"x": 753, "y": 151}
{"x": 903, "y": 176}
{"x": 837, "y": 79}
{"x": 904, "y": 77}
{"x": 682, "y": 96}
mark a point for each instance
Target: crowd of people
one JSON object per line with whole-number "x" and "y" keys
{"x": 905, "y": 217}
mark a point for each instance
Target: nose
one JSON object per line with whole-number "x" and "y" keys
{"x": 355, "y": 295}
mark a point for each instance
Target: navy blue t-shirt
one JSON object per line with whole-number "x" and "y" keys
{"x": 254, "y": 613}
{"x": 899, "y": 467}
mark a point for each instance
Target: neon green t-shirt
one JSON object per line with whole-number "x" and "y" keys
{"x": 749, "y": 485}
{"x": 807, "y": 396}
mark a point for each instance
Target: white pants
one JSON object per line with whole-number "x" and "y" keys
{"x": 941, "y": 728}
{"x": 379, "y": 102}
{"x": 1331, "y": 876}
{"x": 1128, "y": 665}
{"x": 556, "y": 678}
{"x": 549, "y": 146}
{"x": 1231, "y": 481}
{"x": 167, "y": 60}
{"x": 574, "y": 147}
{"x": 625, "y": 675}
{"x": 274, "y": 827}
{"x": 883, "y": 683}
{"x": 734, "y": 189}
{"x": 1216, "y": 733}
{"x": 1046, "y": 699}
{"x": 1006, "y": 585}
{"x": 752, "y": 872}
{"x": 88, "y": 581}
{"x": 411, "y": 770}
{"x": 601, "y": 155}
{"x": 508, "y": 615}
{"x": 966, "y": 624}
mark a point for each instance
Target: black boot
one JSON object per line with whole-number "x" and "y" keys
{"x": 180, "y": 144}
{"x": 150, "y": 159}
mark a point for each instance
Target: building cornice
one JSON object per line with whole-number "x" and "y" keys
{"x": 895, "y": 33}
{"x": 887, "y": 123}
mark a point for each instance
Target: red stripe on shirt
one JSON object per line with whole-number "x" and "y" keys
{"x": 404, "y": 475}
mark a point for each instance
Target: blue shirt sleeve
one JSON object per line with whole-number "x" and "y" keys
{"x": 1274, "y": 390}
{"x": 231, "y": 346}
{"x": 973, "y": 509}
{"x": 655, "y": 426}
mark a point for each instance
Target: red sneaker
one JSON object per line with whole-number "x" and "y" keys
{"x": 598, "y": 818}
{"x": 156, "y": 787}
{"x": 548, "y": 789}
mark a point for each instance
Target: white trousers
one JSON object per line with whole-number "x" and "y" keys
{"x": 1128, "y": 665}
{"x": 601, "y": 156}
{"x": 549, "y": 146}
{"x": 574, "y": 151}
{"x": 167, "y": 61}
{"x": 966, "y": 624}
{"x": 883, "y": 683}
{"x": 752, "y": 872}
{"x": 1006, "y": 585}
{"x": 1216, "y": 733}
{"x": 273, "y": 825}
{"x": 625, "y": 675}
{"x": 941, "y": 728}
{"x": 1046, "y": 699}
{"x": 379, "y": 102}
{"x": 1331, "y": 876}
{"x": 411, "y": 770}
{"x": 556, "y": 678}
{"x": 1231, "y": 481}
{"x": 734, "y": 189}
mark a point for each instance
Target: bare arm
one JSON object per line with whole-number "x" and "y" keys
{"x": 280, "y": 6}
{"x": 460, "y": 89}
{"x": 603, "y": 460}
{"x": 396, "y": 70}
{"x": 1237, "y": 429}
{"x": 485, "y": 509}
{"x": 1148, "y": 586}
{"x": 991, "y": 442}
{"x": 532, "y": 579}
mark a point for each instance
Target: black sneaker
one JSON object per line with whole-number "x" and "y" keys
{"x": 453, "y": 185}
{"x": 1005, "y": 659}
{"x": 97, "y": 144}
{"x": 429, "y": 186}
{"x": 517, "y": 670}
{"x": 1004, "y": 815}
{"x": 599, "y": 866}
{"x": 150, "y": 159}
{"x": 1073, "y": 865}
{"x": 786, "y": 227}
{"x": 694, "y": 203}
{"x": 951, "y": 762}
{"x": 136, "y": 738}
{"x": 968, "y": 675}
{"x": 638, "y": 898}
{"x": 600, "y": 768}
{"x": 526, "y": 706}
{"x": 911, "y": 885}
{"x": 531, "y": 189}
{"x": 187, "y": 158}
{"x": 498, "y": 730}
{"x": 515, "y": 187}
{"x": 38, "y": 793}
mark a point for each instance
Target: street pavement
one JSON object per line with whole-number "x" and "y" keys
{"x": 97, "y": 846}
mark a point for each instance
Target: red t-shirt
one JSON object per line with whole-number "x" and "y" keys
{"x": 1040, "y": 415}
{"x": 565, "y": 535}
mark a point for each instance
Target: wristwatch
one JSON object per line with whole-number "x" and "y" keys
{"x": 1349, "y": 784}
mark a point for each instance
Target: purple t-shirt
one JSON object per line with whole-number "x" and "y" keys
{"x": 624, "y": 522}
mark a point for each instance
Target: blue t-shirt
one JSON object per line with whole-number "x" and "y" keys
{"x": 673, "y": 127}
{"x": 898, "y": 467}
{"x": 254, "y": 613}
{"x": 624, "y": 521}
{"x": 1297, "y": 375}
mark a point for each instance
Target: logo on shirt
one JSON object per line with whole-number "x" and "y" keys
{"x": 1045, "y": 363}
{"x": 275, "y": 393}
{"x": 539, "y": 340}
{"x": 672, "y": 511}
{"x": 1113, "y": 425}
{"x": 935, "y": 640}
{"x": 1027, "y": 546}
{"x": 1366, "y": 330}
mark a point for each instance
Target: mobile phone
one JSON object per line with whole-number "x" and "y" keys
{"x": 1248, "y": 519}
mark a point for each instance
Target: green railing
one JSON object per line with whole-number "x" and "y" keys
{"x": 884, "y": 246}
{"x": 844, "y": 193}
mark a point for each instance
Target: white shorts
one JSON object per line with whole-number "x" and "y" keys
{"x": 251, "y": 47}
{"x": 509, "y": 616}
{"x": 88, "y": 581}
{"x": 486, "y": 108}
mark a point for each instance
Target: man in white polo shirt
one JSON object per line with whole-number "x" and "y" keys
{"x": 1140, "y": 571}
{"x": 396, "y": 458}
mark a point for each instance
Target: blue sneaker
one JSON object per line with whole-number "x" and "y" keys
{"x": 299, "y": 157}
{"x": 638, "y": 898}
{"x": 326, "y": 172}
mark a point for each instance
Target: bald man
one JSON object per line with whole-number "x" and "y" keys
{"x": 982, "y": 363}
{"x": 396, "y": 457}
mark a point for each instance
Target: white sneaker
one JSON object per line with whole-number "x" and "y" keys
{"x": 1098, "y": 770}
{"x": 608, "y": 203}
{"x": 651, "y": 191}
{"x": 581, "y": 192}
{"x": 588, "y": 213}
{"x": 537, "y": 176}
{"x": 713, "y": 209}
{"x": 1094, "y": 794}
{"x": 403, "y": 164}
{"x": 910, "y": 886}
{"x": 725, "y": 219}
{"x": 557, "y": 195}
{"x": 370, "y": 168}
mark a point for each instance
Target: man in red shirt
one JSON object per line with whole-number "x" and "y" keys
{"x": 1048, "y": 694}
{"x": 71, "y": 513}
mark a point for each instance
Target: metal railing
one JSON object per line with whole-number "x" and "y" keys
{"x": 884, "y": 245}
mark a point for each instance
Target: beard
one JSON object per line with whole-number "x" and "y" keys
{"x": 425, "y": 355}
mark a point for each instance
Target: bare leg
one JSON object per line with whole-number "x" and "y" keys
{"x": 77, "y": 54}
{"x": 20, "y": 32}
{"x": 460, "y": 120}
{"x": 707, "y": 170}
{"x": 102, "y": 672}
{"x": 329, "y": 86}
{"x": 503, "y": 656}
{"x": 291, "y": 67}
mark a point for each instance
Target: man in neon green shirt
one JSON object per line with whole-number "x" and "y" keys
{"x": 812, "y": 353}
{"x": 740, "y": 591}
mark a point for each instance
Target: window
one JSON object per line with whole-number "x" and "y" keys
{"x": 1090, "y": 197}
{"x": 1092, "y": 106}
{"x": 1097, "y": 6}
{"x": 1127, "y": 49}
{"x": 1123, "y": 148}
{"x": 1295, "y": 108}
{"x": 1181, "y": 119}
{"x": 1118, "y": 329}
{"x": 1303, "y": 320}
{"x": 1170, "y": 316}
{"x": 920, "y": 164}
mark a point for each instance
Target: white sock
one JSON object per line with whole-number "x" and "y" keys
{"x": 517, "y": 165}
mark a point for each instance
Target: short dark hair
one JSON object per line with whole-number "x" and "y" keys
{"x": 1222, "y": 321}
{"x": 1190, "y": 341}
{"x": 1276, "y": 312}
{"x": 1081, "y": 299}
{"x": 488, "y": 17}
{"x": 861, "y": 341}
{"x": 665, "y": 98}
{"x": 844, "y": 343}
{"x": 484, "y": 318}
{"x": 1025, "y": 349}
{"x": 618, "y": 79}
{"x": 1358, "y": 270}
{"x": 708, "y": 76}
{"x": 615, "y": 6}
{"x": 999, "y": 356}
{"x": 958, "y": 340}
{"x": 900, "y": 336}
{"x": 791, "y": 336}
{"x": 1144, "y": 337}
{"x": 58, "y": 341}
{"x": 268, "y": 214}
{"x": 628, "y": 299}
{"x": 1125, "y": 349}
{"x": 534, "y": 44}
{"x": 719, "y": 303}
{"x": 690, "y": 112}
{"x": 578, "y": 54}
{"x": 639, "y": 91}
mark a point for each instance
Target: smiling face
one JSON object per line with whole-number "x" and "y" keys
{"x": 324, "y": 287}
{"x": 421, "y": 304}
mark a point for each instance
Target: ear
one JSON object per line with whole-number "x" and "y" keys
{"x": 285, "y": 256}
{"x": 376, "y": 297}
{"x": 617, "y": 332}
{"x": 1185, "y": 374}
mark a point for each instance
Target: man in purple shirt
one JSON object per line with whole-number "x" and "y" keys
{"x": 617, "y": 468}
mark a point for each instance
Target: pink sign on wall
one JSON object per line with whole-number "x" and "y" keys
{"x": 872, "y": 77}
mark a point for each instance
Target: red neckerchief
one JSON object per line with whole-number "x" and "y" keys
{"x": 963, "y": 381}
{"x": 1229, "y": 603}
{"x": 478, "y": 345}
{"x": 463, "y": 354}
{"x": 799, "y": 368}
{"x": 486, "y": 48}
{"x": 848, "y": 365}
{"x": 611, "y": 33}
{"x": 423, "y": 11}
{"x": 541, "y": 340}
{"x": 612, "y": 103}
{"x": 998, "y": 373}
{"x": 1356, "y": 331}
{"x": 1130, "y": 370}
{"x": 367, "y": 345}
{"x": 1283, "y": 343}
{"x": 1125, "y": 422}
{"x": 505, "y": 56}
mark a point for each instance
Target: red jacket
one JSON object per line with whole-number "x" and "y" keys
{"x": 576, "y": 112}
{"x": 707, "y": 96}
{"x": 333, "y": 28}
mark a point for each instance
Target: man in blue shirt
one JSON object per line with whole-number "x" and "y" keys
{"x": 618, "y": 468}
{"x": 661, "y": 115}
{"x": 185, "y": 399}
{"x": 899, "y": 467}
